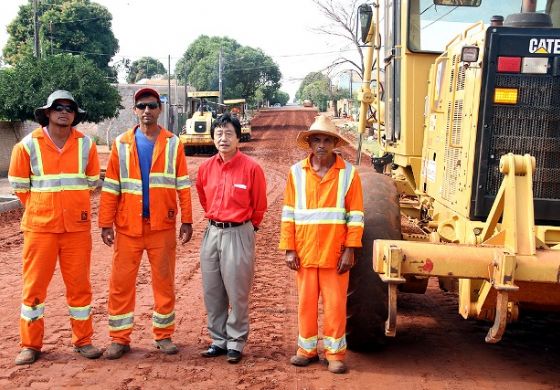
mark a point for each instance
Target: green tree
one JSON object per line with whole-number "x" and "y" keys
{"x": 27, "y": 85}
{"x": 280, "y": 97}
{"x": 309, "y": 79}
{"x": 245, "y": 69}
{"x": 318, "y": 93}
{"x": 145, "y": 68}
{"x": 66, "y": 26}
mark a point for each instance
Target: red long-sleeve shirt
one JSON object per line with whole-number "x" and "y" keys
{"x": 233, "y": 191}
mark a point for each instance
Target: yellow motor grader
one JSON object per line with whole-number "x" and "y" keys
{"x": 196, "y": 132}
{"x": 238, "y": 108}
{"x": 466, "y": 108}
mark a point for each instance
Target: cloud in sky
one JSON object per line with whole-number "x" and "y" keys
{"x": 282, "y": 29}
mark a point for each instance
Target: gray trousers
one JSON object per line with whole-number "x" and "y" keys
{"x": 227, "y": 262}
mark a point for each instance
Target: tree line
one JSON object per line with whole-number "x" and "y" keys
{"x": 76, "y": 46}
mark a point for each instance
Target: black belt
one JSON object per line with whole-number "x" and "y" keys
{"x": 225, "y": 225}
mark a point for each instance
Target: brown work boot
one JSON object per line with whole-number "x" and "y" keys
{"x": 116, "y": 350}
{"x": 337, "y": 367}
{"x": 88, "y": 351}
{"x": 166, "y": 346}
{"x": 27, "y": 356}
{"x": 302, "y": 361}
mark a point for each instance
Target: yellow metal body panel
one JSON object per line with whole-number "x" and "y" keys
{"x": 451, "y": 123}
{"x": 502, "y": 263}
{"x": 203, "y": 94}
{"x": 196, "y": 138}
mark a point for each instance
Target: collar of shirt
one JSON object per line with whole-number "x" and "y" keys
{"x": 231, "y": 161}
{"x": 338, "y": 164}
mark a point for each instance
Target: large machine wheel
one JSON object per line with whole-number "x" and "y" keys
{"x": 189, "y": 150}
{"x": 367, "y": 294}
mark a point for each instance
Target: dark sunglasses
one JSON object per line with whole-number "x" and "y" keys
{"x": 150, "y": 105}
{"x": 63, "y": 107}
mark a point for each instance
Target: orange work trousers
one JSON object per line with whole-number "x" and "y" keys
{"x": 160, "y": 246}
{"x": 40, "y": 253}
{"x": 332, "y": 287}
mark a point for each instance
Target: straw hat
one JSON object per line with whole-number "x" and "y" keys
{"x": 322, "y": 125}
{"x": 59, "y": 94}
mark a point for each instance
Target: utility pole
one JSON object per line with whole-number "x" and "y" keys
{"x": 169, "y": 91}
{"x": 350, "y": 84}
{"x": 36, "y": 51}
{"x": 187, "y": 104}
{"x": 220, "y": 70}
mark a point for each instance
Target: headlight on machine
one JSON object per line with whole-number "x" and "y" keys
{"x": 534, "y": 65}
{"x": 505, "y": 95}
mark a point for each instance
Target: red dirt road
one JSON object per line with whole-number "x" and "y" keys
{"x": 434, "y": 347}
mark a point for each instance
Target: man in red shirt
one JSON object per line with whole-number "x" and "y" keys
{"x": 232, "y": 190}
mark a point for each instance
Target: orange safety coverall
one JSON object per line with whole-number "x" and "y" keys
{"x": 54, "y": 186}
{"x": 121, "y": 205}
{"x": 321, "y": 217}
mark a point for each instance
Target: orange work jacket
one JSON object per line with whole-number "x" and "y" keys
{"x": 54, "y": 185}
{"x": 121, "y": 196}
{"x": 322, "y": 216}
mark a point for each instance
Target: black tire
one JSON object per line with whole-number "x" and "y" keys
{"x": 367, "y": 294}
{"x": 189, "y": 150}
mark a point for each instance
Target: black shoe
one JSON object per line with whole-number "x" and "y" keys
{"x": 213, "y": 351}
{"x": 233, "y": 356}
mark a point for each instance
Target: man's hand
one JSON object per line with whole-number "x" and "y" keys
{"x": 346, "y": 261}
{"x": 185, "y": 233}
{"x": 292, "y": 260}
{"x": 108, "y": 236}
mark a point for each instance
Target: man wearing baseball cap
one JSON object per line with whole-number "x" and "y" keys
{"x": 322, "y": 223}
{"x": 147, "y": 170}
{"x": 53, "y": 171}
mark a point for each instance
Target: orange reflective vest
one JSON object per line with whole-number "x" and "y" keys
{"x": 54, "y": 185}
{"x": 121, "y": 196}
{"x": 322, "y": 216}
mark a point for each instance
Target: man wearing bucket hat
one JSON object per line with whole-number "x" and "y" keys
{"x": 147, "y": 171}
{"x": 53, "y": 171}
{"x": 322, "y": 223}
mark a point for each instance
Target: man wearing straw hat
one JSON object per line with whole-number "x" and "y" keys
{"x": 53, "y": 170}
{"x": 322, "y": 223}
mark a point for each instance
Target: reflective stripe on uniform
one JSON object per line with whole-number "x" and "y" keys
{"x": 287, "y": 214}
{"x": 327, "y": 215}
{"x": 171, "y": 155}
{"x": 121, "y": 321}
{"x": 92, "y": 181}
{"x": 80, "y": 313}
{"x": 84, "y": 146}
{"x": 32, "y": 147}
{"x": 320, "y": 216}
{"x": 40, "y": 182}
{"x": 165, "y": 179}
{"x": 163, "y": 320}
{"x": 308, "y": 344}
{"x": 19, "y": 184}
{"x": 183, "y": 182}
{"x": 334, "y": 345}
{"x": 299, "y": 179}
{"x": 123, "y": 151}
{"x": 131, "y": 186}
{"x": 32, "y": 313}
{"x": 56, "y": 183}
{"x": 162, "y": 180}
{"x": 355, "y": 218}
{"x": 345, "y": 177}
{"x": 112, "y": 186}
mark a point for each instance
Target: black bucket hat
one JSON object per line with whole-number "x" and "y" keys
{"x": 59, "y": 94}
